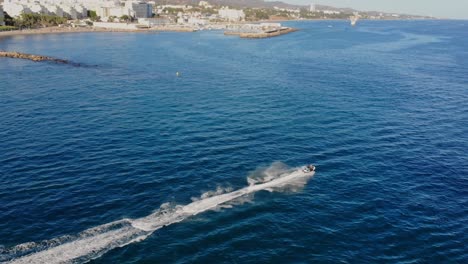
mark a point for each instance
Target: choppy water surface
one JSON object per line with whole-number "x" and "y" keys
{"x": 125, "y": 162}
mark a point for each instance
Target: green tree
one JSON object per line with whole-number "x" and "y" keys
{"x": 38, "y": 20}
{"x": 7, "y": 28}
{"x": 173, "y": 11}
{"x": 93, "y": 15}
{"x": 253, "y": 14}
{"x": 9, "y": 21}
{"x": 125, "y": 18}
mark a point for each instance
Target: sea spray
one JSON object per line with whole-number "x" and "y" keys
{"x": 96, "y": 241}
{"x": 266, "y": 174}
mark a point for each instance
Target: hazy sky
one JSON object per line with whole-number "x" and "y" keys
{"x": 437, "y": 8}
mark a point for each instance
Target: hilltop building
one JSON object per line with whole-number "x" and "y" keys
{"x": 312, "y": 8}
{"x": 331, "y": 12}
{"x": 205, "y": 4}
{"x": 287, "y": 9}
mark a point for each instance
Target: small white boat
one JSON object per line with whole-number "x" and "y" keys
{"x": 308, "y": 168}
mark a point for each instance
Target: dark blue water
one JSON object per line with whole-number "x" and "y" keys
{"x": 382, "y": 109}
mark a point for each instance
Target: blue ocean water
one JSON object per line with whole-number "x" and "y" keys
{"x": 381, "y": 109}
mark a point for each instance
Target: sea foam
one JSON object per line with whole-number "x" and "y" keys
{"x": 96, "y": 241}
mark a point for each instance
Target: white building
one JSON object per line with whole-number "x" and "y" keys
{"x": 151, "y": 22}
{"x": 312, "y": 8}
{"x": 37, "y": 8}
{"x": 14, "y": 9}
{"x": 134, "y": 9}
{"x": 197, "y": 21}
{"x": 231, "y": 14}
{"x": 89, "y": 4}
{"x": 331, "y": 12}
{"x": 76, "y": 9}
{"x": 287, "y": 9}
{"x": 205, "y": 4}
{"x": 55, "y": 9}
{"x": 105, "y": 12}
{"x": 67, "y": 8}
{"x": 68, "y": 11}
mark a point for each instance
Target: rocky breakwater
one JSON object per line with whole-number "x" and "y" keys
{"x": 19, "y": 55}
{"x": 262, "y": 30}
{"x": 268, "y": 33}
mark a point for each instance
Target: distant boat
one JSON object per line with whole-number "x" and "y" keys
{"x": 354, "y": 19}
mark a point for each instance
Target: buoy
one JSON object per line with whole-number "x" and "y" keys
{"x": 177, "y": 74}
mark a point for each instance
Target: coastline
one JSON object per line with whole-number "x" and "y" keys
{"x": 347, "y": 19}
{"x": 64, "y": 30}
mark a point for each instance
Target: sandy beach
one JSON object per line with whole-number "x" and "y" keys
{"x": 63, "y": 30}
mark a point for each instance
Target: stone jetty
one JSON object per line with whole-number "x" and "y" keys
{"x": 268, "y": 34}
{"x": 19, "y": 55}
{"x": 262, "y": 34}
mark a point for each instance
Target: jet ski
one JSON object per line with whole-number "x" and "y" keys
{"x": 308, "y": 168}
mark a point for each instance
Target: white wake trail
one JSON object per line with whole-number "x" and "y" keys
{"x": 96, "y": 241}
